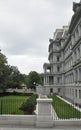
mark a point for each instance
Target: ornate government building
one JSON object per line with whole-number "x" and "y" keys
{"x": 62, "y": 74}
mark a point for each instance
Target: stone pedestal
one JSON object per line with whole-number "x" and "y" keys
{"x": 44, "y": 113}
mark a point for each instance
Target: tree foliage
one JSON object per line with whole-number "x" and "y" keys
{"x": 15, "y": 78}
{"x": 4, "y": 70}
{"x": 33, "y": 79}
{"x": 10, "y": 77}
{"x": 29, "y": 105}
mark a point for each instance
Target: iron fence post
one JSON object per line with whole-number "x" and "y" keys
{"x": 1, "y": 106}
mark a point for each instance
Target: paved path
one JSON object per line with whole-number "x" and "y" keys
{"x": 54, "y": 113}
{"x": 56, "y": 128}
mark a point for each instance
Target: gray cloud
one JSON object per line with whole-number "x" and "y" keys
{"x": 27, "y": 25}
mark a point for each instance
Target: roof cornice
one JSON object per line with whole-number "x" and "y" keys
{"x": 75, "y": 17}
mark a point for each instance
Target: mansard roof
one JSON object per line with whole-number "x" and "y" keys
{"x": 59, "y": 35}
{"x": 76, "y": 16}
{"x": 76, "y": 6}
{"x": 65, "y": 34}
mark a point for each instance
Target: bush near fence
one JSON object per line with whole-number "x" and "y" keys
{"x": 29, "y": 105}
{"x": 15, "y": 93}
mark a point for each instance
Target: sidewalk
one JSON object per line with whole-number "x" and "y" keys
{"x": 56, "y": 128}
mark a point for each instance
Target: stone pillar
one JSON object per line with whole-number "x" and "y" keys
{"x": 63, "y": 80}
{"x": 80, "y": 74}
{"x": 46, "y": 80}
{"x": 76, "y": 53}
{"x": 73, "y": 55}
{"x": 80, "y": 50}
{"x": 44, "y": 115}
{"x": 45, "y": 69}
{"x": 79, "y": 30}
{"x": 76, "y": 35}
{"x": 78, "y": 77}
{"x": 74, "y": 76}
{"x": 72, "y": 39}
{"x": 53, "y": 79}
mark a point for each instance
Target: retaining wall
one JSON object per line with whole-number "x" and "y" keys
{"x": 30, "y": 121}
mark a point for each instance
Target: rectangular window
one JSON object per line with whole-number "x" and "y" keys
{"x": 51, "y": 90}
{"x": 58, "y": 80}
{"x": 76, "y": 93}
{"x": 57, "y": 58}
{"x": 58, "y": 69}
{"x": 50, "y": 80}
{"x": 80, "y": 94}
{"x": 59, "y": 90}
{"x": 72, "y": 92}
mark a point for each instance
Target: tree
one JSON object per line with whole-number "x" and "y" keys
{"x": 16, "y": 79}
{"x": 25, "y": 79}
{"x": 4, "y": 71}
{"x": 10, "y": 77}
{"x": 33, "y": 79}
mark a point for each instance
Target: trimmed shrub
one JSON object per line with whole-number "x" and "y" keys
{"x": 29, "y": 105}
{"x": 15, "y": 93}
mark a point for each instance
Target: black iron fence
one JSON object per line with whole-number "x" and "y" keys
{"x": 10, "y": 106}
{"x": 64, "y": 110}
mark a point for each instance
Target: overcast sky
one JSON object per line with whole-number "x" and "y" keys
{"x": 25, "y": 29}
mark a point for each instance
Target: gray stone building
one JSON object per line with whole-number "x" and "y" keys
{"x": 62, "y": 74}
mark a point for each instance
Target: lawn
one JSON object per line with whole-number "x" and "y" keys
{"x": 11, "y": 104}
{"x": 64, "y": 110}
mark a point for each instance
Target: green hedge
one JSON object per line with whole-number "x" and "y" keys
{"x": 15, "y": 93}
{"x": 29, "y": 105}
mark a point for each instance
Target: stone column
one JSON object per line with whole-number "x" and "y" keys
{"x": 80, "y": 74}
{"x": 53, "y": 79}
{"x": 76, "y": 53}
{"x": 73, "y": 55}
{"x": 80, "y": 50}
{"x": 79, "y": 30}
{"x": 74, "y": 76}
{"x": 72, "y": 39}
{"x": 45, "y": 69}
{"x": 46, "y": 80}
{"x": 44, "y": 115}
{"x": 67, "y": 79}
{"x": 78, "y": 77}
{"x": 76, "y": 35}
{"x": 63, "y": 79}
{"x": 53, "y": 68}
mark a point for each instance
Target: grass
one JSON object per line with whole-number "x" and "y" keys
{"x": 11, "y": 104}
{"x": 64, "y": 110}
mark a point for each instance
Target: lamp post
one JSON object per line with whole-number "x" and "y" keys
{"x": 34, "y": 83}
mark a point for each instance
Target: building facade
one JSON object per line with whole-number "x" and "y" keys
{"x": 62, "y": 74}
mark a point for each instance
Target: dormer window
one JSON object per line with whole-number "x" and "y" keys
{"x": 58, "y": 58}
